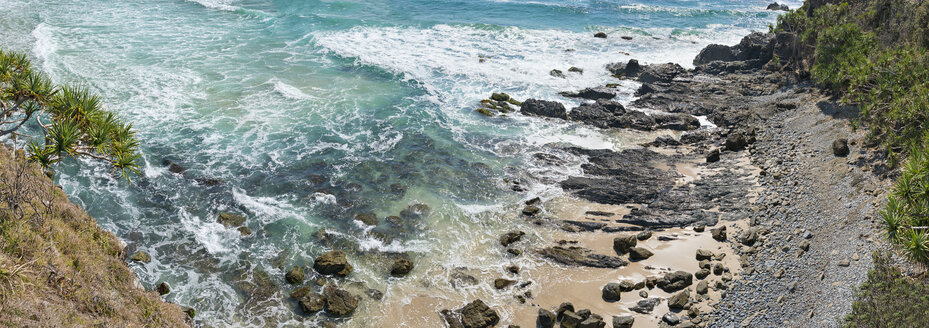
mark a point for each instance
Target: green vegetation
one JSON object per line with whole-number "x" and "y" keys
{"x": 58, "y": 267}
{"x": 76, "y": 123}
{"x": 889, "y": 299}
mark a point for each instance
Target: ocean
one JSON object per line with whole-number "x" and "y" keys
{"x": 301, "y": 115}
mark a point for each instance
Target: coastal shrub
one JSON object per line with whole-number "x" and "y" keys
{"x": 71, "y": 119}
{"x": 889, "y": 299}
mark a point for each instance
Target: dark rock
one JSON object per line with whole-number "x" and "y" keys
{"x": 675, "y": 281}
{"x": 499, "y": 96}
{"x": 544, "y": 108}
{"x": 511, "y": 237}
{"x": 702, "y": 273}
{"x": 244, "y": 231}
{"x": 719, "y": 233}
{"x": 562, "y": 308}
{"x": 639, "y": 253}
{"x": 644, "y": 235}
{"x": 401, "y": 267}
{"x": 594, "y": 321}
{"x": 367, "y": 218}
{"x": 374, "y": 294}
{"x": 660, "y": 73}
{"x": 736, "y": 142}
{"x": 333, "y": 263}
{"x": 619, "y": 177}
{"x": 191, "y": 313}
{"x": 312, "y": 303}
{"x": 501, "y": 283}
{"x": 622, "y": 243}
{"x": 626, "y": 37}
{"x": 675, "y": 121}
{"x": 645, "y": 89}
{"x": 576, "y": 70}
{"x": 531, "y": 210}
{"x": 840, "y": 147}
{"x": 699, "y": 227}
{"x": 294, "y": 276}
{"x": 570, "y": 320}
{"x": 173, "y": 167}
{"x": 679, "y": 300}
{"x": 630, "y": 69}
{"x": 415, "y": 211}
{"x": 749, "y": 236}
{"x": 646, "y": 306}
{"x": 584, "y": 225}
{"x": 777, "y": 6}
{"x": 715, "y": 52}
{"x": 600, "y": 35}
{"x": 712, "y": 156}
{"x": 300, "y": 292}
{"x": 395, "y": 220}
{"x": 626, "y": 286}
{"x": 579, "y": 256}
{"x": 536, "y": 200}
{"x": 702, "y": 287}
{"x": 703, "y": 254}
{"x": 340, "y": 303}
{"x": 163, "y": 288}
{"x": 625, "y": 321}
{"x": 557, "y": 73}
{"x": 546, "y": 319}
{"x": 590, "y": 93}
{"x": 611, "y": 292}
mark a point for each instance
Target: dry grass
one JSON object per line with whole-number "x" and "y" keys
{"x": 58, "y": 268}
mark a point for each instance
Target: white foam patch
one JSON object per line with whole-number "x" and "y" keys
{"x": 289, "y": 91}
{"x": 212, "y": 235}
{"x": 45, "y": 44}
{"x": 217, "y": 4}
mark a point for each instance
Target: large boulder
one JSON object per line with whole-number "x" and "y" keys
{"x": 756, "y": 46}
{"x": 679, "y": 300}
{"x": 629, "y": 69}
{"x": 675, "y": 281}
{"x": 473, "y": 315}
{"x": 401, "y": 267}
{"x": 611, "y": 292}
{"x": 778, "y": 7}
{"x": 543, "y": 108}
{"x": 312, "y": 303}
{"x": 645, "y": 305}
{"x": 715, "y": 52}
{"x": 639, "y": 253}
{"x": 623, "y": 243}
{"x": 546, "y": 319}
{"x": 294, "y": 276}
{"x": 660, "y": 73}
{"x": 333, "y": 263}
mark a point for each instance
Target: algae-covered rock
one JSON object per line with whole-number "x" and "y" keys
{"x": 333, "y": 263}
{"x": 230, "y": 220}
{"x": 294, "y": 276}
{"x": 141, "y": 256}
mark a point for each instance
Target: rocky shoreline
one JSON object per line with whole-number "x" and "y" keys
{"x": 781, "y": 164}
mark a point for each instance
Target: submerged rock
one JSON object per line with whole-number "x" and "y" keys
{"x": 230, "y": 220}
{"x": 294, "y": 276}
{"x": 367, "y": 218}
{"x": 401, "y": 267}
{"x": 340, "y": 303}
{"x": 333, "y": 263}
{"x": 511, "y": 237}
{"x": 312, "y": 303}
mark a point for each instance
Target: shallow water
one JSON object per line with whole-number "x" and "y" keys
{"x": 310, "y": 112}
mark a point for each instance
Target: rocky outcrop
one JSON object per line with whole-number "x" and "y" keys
{"x": 579, "y": 256}
{"x": 340, "y": 303}
{"x": 606, "y": 113}
{"x": 754, "y": 50}
{"x": 591, "y": 93}
{"x": 619, "y": 177}
{"x": 535, "y": 107}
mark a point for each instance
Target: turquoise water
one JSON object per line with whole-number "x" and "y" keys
{"x": 311, "y": 112}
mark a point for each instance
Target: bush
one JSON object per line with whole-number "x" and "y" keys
{"x": 889, "y": 299}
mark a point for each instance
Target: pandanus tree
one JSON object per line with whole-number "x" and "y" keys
{"x": 71, "y": 119}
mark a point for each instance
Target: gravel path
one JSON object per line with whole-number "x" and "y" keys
{"x": 809, "y": 195}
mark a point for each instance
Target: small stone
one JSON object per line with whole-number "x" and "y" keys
{"x": 245, "y": 231}
{"x": 679, "y": 300}
{"x": 600, "y": 35}
{"x": 501, "y": 283}
{"x": 531, "y": 210}
{"x": 611, "y": 292}
{"x": 511, "y": 237}
{"x": 644, "y": 235}
{"x": 779, "y": 274}
{"x": 702, "y": 287}
{"x": 703, "y": 254}
{"x": 712, "y": 156}
{"x": 401, "y": 267}
{"x": 643, "y": 294}
{"x": 671, "y": 319}
{"x": 844, "y": 263}
{"x": 700, "y": 227}
{"x": 805, "y": 245}
{"x": 840, "y": 147}
{"x": 855, "y": 257}
{"x": 702, "y": 273}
